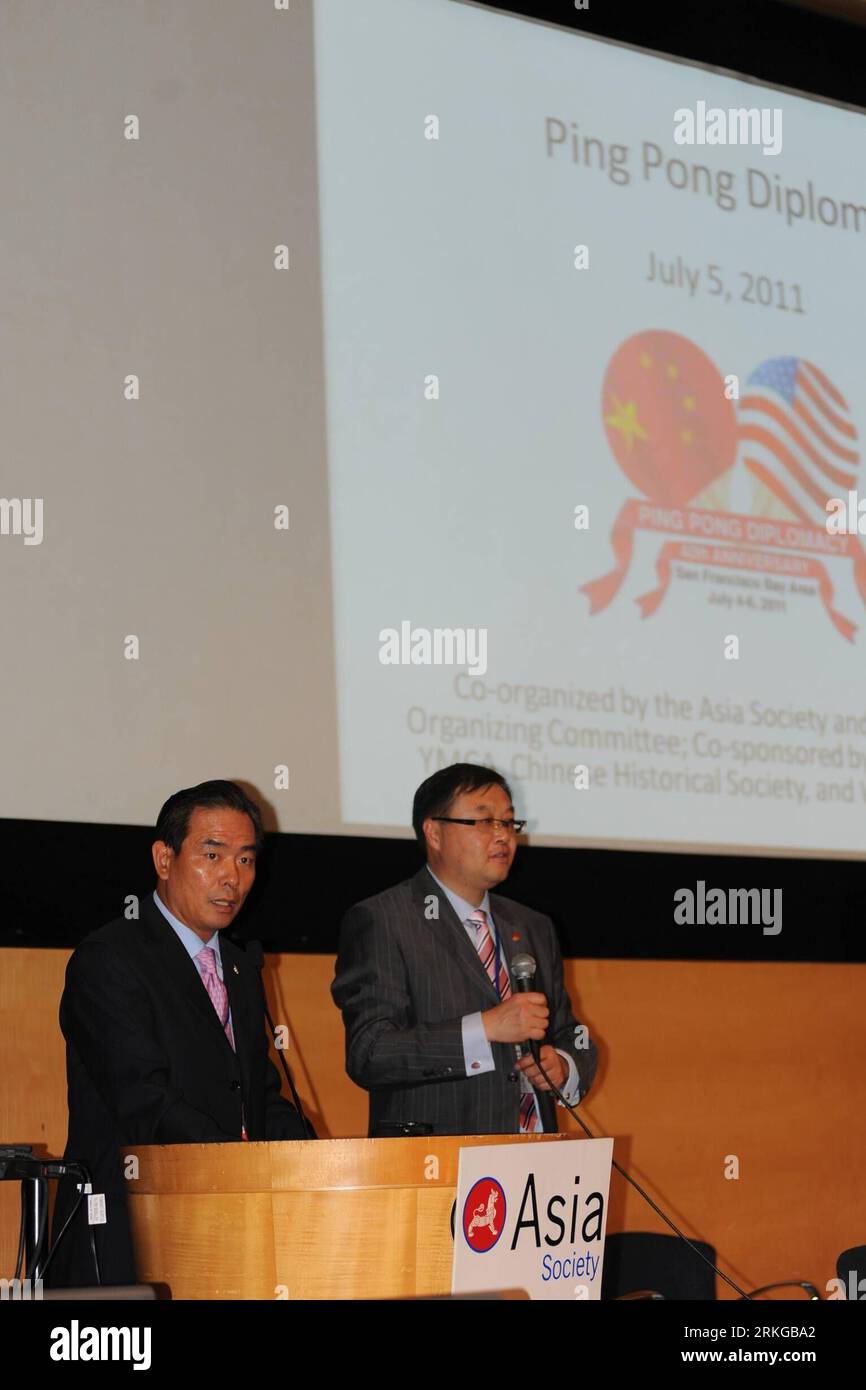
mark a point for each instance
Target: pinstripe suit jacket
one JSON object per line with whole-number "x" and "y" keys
{"x": 404, "y": 980}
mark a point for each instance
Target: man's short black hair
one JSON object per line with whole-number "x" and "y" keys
{"x": 172, "y": 823}
{"x": 435, "y": 796}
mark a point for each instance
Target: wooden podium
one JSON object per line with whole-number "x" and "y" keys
{"x": 326, "y": 1218}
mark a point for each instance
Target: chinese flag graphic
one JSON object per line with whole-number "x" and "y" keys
{"x": 668, "y": 422}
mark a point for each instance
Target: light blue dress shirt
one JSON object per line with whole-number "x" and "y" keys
{"x": 477, "y": 1052}
{"x": 192, "y": 942}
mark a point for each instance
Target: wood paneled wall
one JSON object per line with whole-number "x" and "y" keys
{"x": 706, "y": 1069}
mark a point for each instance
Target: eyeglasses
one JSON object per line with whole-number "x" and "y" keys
{"x": 488, "y": 824}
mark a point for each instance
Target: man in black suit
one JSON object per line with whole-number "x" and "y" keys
{"x": 424, "y": 984}
{"x": 164, "y": 1025}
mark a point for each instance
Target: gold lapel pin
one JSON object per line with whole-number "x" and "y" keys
{"x": 235, "y": 969}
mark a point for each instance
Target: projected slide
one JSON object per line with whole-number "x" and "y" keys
{"x": 594, "y": 368}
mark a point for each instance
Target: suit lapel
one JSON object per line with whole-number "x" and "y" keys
{"x": 450, "y": 932}
{"x": 512, "y": 933}
{"x": 517, "y": 940}
{"x": 176, "y": 964}
{"x": 236, "y": 978}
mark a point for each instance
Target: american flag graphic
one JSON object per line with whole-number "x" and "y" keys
{"x": 796, "y": 437}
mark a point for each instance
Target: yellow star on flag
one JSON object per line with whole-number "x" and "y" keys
{"x": 624, "y": 419}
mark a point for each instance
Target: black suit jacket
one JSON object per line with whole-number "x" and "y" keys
{"x": 406, "y": 977}
{"x": 148, "y": 1062}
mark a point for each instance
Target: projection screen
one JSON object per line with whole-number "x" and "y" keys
{"x": 399, "y": 383}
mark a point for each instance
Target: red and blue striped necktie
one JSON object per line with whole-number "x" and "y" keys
{"x": 529, "y": 1118}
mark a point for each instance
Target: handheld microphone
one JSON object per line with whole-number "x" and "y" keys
{"x": 523, "y": 970}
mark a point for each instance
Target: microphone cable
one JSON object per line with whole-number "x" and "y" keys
{"x": 523, "y": 975}
{"x": 257, "y": 956}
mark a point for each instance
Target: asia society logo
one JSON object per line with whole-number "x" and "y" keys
{"x": 484, "y": 1215}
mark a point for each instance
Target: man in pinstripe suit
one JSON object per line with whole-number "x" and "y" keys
{"x": 424, "y": 985}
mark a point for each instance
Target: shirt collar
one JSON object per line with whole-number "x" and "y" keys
{"x": 460, "y": 905}
{"x": 190, "y": 939}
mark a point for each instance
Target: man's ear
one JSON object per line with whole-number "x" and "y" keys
{"x": 432, "y": 834}
{"x": 162, "y": 857}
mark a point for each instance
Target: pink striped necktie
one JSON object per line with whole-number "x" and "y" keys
{"x": 219, "y": 997}
{"x": 529, "y": 1120}
{"x": 206, "y": 962}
